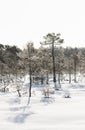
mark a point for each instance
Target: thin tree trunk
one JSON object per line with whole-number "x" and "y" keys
{"x": 30, "y": 80}
{"x": 19, "y": 93}
{"x": 47, "y": 78}
{"x": 54, "y": 72}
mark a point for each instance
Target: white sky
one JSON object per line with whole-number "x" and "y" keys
{"x": 30, "y": 20}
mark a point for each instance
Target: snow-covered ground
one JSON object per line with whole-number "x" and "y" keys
{"x": 54, "y": 113}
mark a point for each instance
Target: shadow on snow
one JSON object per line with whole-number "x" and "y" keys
{"x": 48, "y": 100}
{"x": 20, "y": 118}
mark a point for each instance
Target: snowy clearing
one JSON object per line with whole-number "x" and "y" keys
{"x": 54, "y": 113}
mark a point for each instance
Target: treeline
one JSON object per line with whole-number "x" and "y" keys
{"x": 9, "y": 59}
{"x": 38, "y": 62}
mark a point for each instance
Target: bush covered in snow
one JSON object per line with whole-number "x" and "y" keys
{"x": 47, "y": 90}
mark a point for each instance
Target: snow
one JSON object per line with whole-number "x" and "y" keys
{"x": 53, "y": 113}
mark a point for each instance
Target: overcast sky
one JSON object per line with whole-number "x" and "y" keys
{"x": 29, "y": 20}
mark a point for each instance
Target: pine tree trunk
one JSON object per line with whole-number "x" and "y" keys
{"x": 47, "y": 78}
{"x": 30, "y": 80}
{"x": 54, "y": 71}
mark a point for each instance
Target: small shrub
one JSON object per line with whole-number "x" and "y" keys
{"x": 47, "y": 91}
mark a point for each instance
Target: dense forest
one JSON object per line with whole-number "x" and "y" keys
{"x": 38, "y": 63}
{"x": 17, "y": 62}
